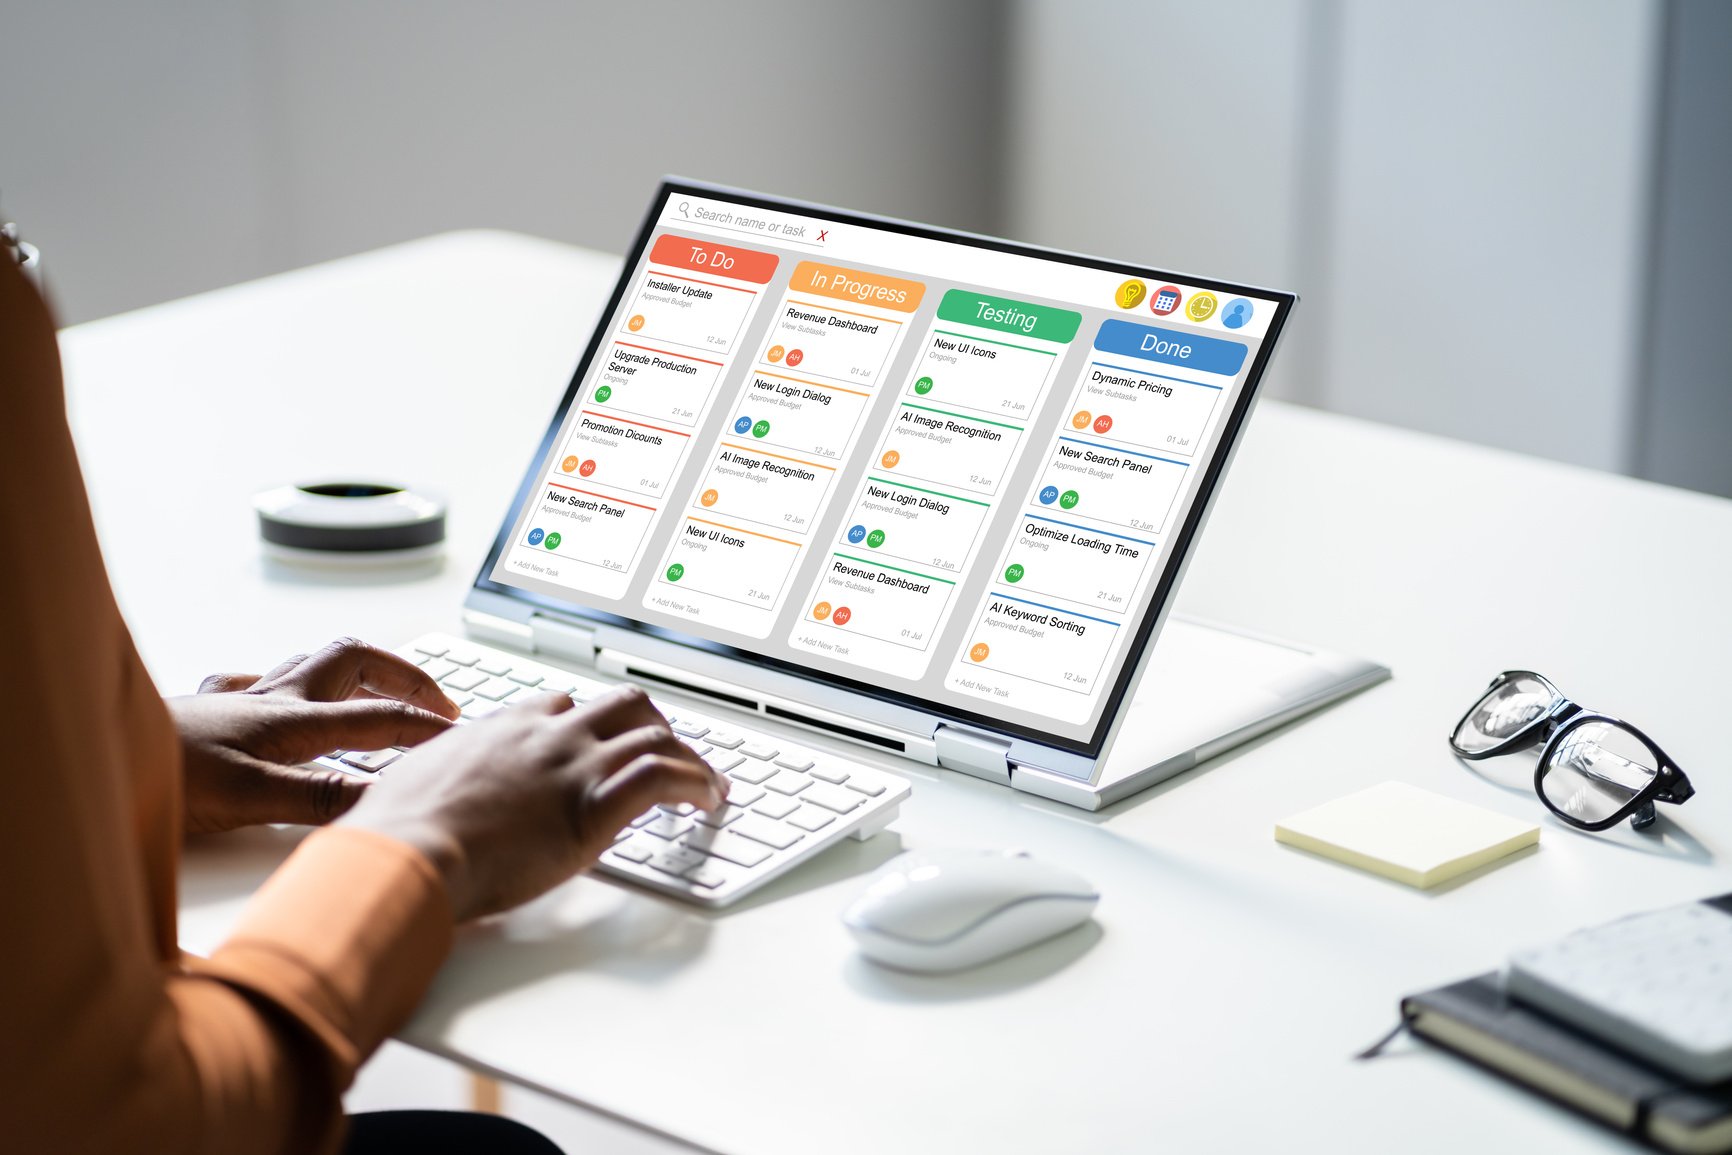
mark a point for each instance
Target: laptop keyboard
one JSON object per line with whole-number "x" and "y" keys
{"x": 785, "y": 802}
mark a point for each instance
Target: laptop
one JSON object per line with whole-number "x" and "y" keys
{"x": 921, "y": 490}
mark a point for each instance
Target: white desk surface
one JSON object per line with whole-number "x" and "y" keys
{"x": 1214, "y": 1004}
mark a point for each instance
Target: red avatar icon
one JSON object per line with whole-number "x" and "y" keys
{"x": 587, "y": 467}
{"x": 841, "y": 614}
{"x": 795, "y": 357}
{"x": 1103, "y": 423}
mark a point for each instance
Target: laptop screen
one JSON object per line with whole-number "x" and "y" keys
{"x": 952, "y": 472}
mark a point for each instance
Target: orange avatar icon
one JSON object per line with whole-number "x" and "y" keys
{"x": 709, "y": 498}
{"x": 978, "y": 651}
{"x": 821, "y": 610}
{"x": 1081, "y": 419}
{"x": 635, "y": 323}
{"x": 568, "y": 464}
{"x": 775, "y": 354}
{"x": 889, "y": 460}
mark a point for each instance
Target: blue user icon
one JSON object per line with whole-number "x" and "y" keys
{"x": 1049, "y": 495}
{"x": 856, "y": 534}
{"x": 1237, "y": 313}
{"x": 535, "y": 536}
{"x": 743, "y": 425}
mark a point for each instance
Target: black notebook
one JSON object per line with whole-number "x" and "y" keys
{"x": 1476, "y": 1019}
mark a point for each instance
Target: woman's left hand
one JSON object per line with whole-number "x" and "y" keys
{"x": 244, "y": 736}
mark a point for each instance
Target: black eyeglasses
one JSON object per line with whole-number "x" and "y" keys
{"x": 1595, "y": 770}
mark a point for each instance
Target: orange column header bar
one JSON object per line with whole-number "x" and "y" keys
{"x": 678, "y": 252}
{"x": 854, "y": 285}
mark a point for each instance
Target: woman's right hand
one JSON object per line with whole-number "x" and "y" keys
{"x": 509, "y": 807}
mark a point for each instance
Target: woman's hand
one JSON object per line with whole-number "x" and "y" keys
{"x": 513, "y": 805}
{"x": 244, "y": 736}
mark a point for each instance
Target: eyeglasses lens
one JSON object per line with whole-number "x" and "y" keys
{"x": 1502, "y": 712}
{"x": 1595, "y": 770}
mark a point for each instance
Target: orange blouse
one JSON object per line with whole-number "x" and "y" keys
{"x": 110, "y": 1039}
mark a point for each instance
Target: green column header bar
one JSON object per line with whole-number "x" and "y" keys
{"x": 962, "y": 307}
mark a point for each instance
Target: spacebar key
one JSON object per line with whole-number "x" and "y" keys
{"x": 769, "y": 833}
{"x": 724, "y": 844}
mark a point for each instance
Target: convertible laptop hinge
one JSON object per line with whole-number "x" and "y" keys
{"x": 562, "y": 639}
{"x": 973, "y": 753}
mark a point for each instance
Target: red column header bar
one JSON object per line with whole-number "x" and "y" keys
{"x": 678, "y": 252}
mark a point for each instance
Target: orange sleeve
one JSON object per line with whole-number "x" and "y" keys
{"x": 108, "y": 1040}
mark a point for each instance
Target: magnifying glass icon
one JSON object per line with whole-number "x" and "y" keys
{"x": 685, "y": 207}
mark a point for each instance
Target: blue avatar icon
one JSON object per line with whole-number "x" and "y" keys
{"x": 856, "y": 534}
{"x": 743, "y": 425}
{"x": 1049, "y": 495}
{"x": 535, "y": 536}
{"x": 1238, "y": 313}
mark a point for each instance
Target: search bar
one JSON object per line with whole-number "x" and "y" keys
{"x": 745, "y": 221}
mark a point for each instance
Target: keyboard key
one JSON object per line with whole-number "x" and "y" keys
{"x": 830, "y": 774}
{"x": 697, "y": 747}
{"x": 622, "y": 835}
{"x": 832, "y": 798}
{"x": 811, "y": 818}
{"x": 868, "y": 786}
{"x": 647, "y": 817}
{"x": 438, "y": 669}
{"x": 683, "y": 809}
{"x": 743, "y": 794}
{"x": 721, "y": 760}
{"x": 460, "y": 700}
{"x": 374, "y": 760}
{"x": 727, "y": 845}
{"x": 753, "y": 772}
{"x": 717, "y": 819}
{"x": 760, "y": 829}
{"x": 462, "y": 657}
{"x": 759, "y": 750}
{"x": 776, "y": 806}
{"x": 525, "y": 677}
{"x": 497, "y": 690}
{"x": 675, "y": 860}
{"x": 495, "y": 666}
{"x": 433, "y": 649}
{"x": 794, "y": 762}
{"x": 480, "y": 708}
{"x": 464, "y": 681}
{"x": 559, "y": 684}
{"x": 788, "y": 782}
{"x": 709, "y": 876}
{"x": 726, "y": 739}
{"x": 634, "y": 852}
{"x": 690, "y": 729}
{"x": 666, "y": 826}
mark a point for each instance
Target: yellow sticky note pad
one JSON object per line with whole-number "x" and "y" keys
{"x": 1408, "y": 834}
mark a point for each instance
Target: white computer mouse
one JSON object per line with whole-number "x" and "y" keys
{"x": 947, "y": 910}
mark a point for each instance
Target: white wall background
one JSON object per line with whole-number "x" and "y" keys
{"x": 1463, "y": 193}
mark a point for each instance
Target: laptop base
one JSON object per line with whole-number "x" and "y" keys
{"x": 1208, "y": 689}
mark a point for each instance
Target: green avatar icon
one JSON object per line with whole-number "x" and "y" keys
{"x": 604, "y": 393}
{"x": 875, "y": 538}
{"x": 760, "y": 429}
{"x": 1068, "y": 499}
{"x": 1014, "y": 573}
{"x": 551, "y": 541}
{"x": 676, "y": 572}
{"x": 923, "y": 386}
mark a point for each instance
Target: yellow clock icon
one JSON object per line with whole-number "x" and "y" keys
{"x": 1200, "y": 307}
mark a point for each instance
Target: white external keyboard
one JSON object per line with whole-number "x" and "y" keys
{"x": 787, "y": 802}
